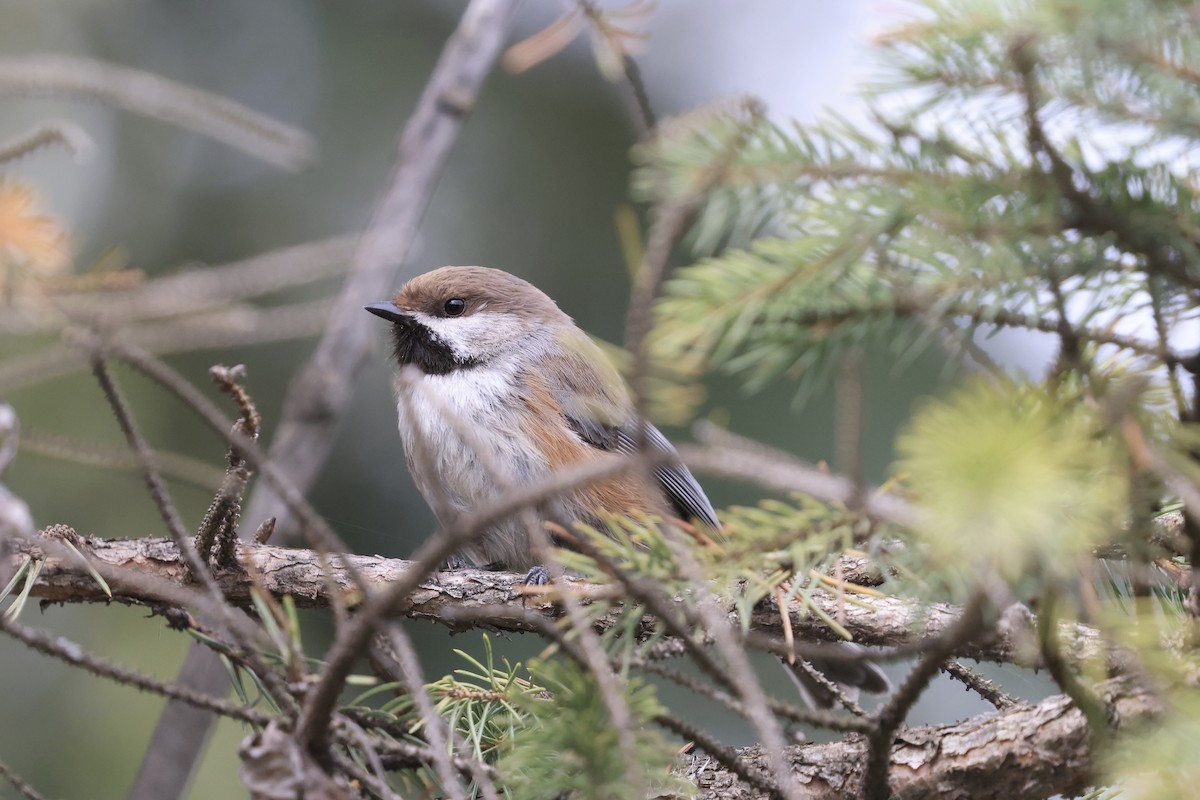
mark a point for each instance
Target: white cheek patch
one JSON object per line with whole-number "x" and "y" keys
{"x": 476, "y": 335}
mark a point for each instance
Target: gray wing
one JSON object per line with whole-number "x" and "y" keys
{"x": 677, "y": 482}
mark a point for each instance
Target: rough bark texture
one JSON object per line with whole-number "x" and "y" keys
{"x": 880, "y": 621}
{"x": 1027, "y": 751}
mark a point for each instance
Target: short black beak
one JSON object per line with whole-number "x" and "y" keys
{"x": 389, "y": 311}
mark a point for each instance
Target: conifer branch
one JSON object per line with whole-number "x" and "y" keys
{"x": 452, "y": 598}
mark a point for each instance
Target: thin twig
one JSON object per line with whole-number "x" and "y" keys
{"x": 203, "y": 288}
{"x": 192, "y": 398}
{"x": 371, "y": 783}
{"x": 735, "y": 456}
{"x": 170, "y": 515}
{"x": 726, "y": 756}
{"x": 155, "y": 96}
{"x": 437, "y": 731}
{"x": 835, "y": 692}
{"x": 76, "y": 656}
{"x": 19, "y": 783}
{"x": 402, "y": 754}
{"x": 68, "y": 135}
{"x": 154, "y": 482}
{"x": 849, "y": 421}
{"x": 642, "y": 113}
{"x": 790, "y": 712}
{"x": 97, "y": 454}
{"x": 975, "y": 681}
{"x": 218, "y": 534}
{"x": 1097, "y": 712}
{"x": 892, "y": 713}
{"x": 234, "y": 327}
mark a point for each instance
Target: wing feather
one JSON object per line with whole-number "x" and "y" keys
{"x": 677, "y": 482}
{"x": 596, "y": 404}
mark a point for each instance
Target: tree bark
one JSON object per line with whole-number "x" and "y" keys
{"x": 1028, "y": 751}
{"x": 457, "y": 598}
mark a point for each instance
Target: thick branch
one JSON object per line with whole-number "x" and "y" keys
{"x": 1047, "y": 744}
{"x": 454, "y": 598}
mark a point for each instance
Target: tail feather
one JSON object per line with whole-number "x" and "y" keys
{"x": 851, "y": 677}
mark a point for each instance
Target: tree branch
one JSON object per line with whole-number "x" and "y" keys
{"x": 160, "y": 98}
{"x": 452, "y": 598}
{"x": 974, "y": 758}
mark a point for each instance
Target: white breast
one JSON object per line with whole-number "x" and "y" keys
{"x": 464, "y": 446}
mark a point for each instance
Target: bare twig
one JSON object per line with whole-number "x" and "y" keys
{"x": 19, "y": 783}
{"x": 206, "y": 288}
{"x": 406, "y": 754}
{"x": 849, "y": 420}
{"x": 154, "y": 96}
{"x": 891, "y": 714}
{"x": 98, "y": 454}
{"x": 985, "y": 688}
{"x": 726, "y": 756}
{"x": 76, "y": 656}
{"x": 372, "y": 783}
{"x": 170, "y": 515}
{"x": 70, "y": 136}
{"x": 239, "y": 326}
{"x": 734, "y": 456}
{"x": 437, "y": 731}
{"x": 642, "y": 113}
{"x": 822, "y": 680}
{"x": 1100, "y": 717}
{"x": 218, "y": 532}
{"x": 790, "y": 712}
{"x": 154, "y": 482}
{"x": 10, "y": 435}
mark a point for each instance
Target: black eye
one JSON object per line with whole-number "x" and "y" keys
{"x": 455, "y": 306}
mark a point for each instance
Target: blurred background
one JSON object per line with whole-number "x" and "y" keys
{"x": 532, "y": 187}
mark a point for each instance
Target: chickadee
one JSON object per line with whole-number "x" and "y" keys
{"x": 496, "y": 353}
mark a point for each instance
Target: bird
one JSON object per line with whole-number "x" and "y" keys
{"x": 500, "y": 388}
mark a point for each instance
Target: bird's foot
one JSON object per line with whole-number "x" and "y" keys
{"x": 455, "y": 562}
{"x": 538, "y": 576}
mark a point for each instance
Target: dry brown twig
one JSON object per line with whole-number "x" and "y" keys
{"x": 218, "y": 534}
